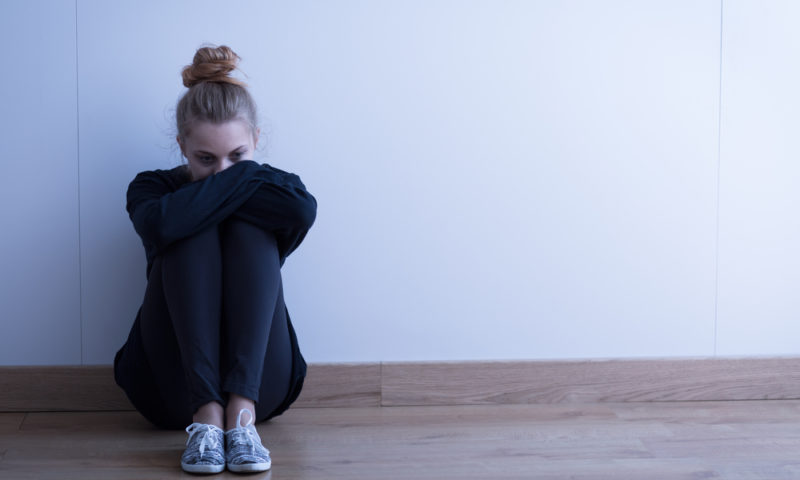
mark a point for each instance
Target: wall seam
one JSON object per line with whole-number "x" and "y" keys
{"x": 719, "y": 167}
{"x": 78, "y": 135}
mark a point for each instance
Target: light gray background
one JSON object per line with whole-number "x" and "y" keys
{"x": 496, "y": 179}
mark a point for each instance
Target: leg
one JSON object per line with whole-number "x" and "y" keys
{"x": 277, "y": 363}
{"x": 158, "y": 390}
{"x": 276, "y": 371}
{"x": 256, "y": 355}
{"x": 182, "y": 341}
{"x": 181, "y": 325}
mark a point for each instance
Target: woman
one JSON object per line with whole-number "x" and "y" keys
{"x": 212, "y": 345}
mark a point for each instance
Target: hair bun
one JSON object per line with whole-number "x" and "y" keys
{"x": 211, "y": 64}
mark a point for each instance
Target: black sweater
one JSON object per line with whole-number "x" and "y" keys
{"x": 165, "y": 206}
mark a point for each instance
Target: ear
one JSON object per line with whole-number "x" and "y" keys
{"x": 255, "y": 140}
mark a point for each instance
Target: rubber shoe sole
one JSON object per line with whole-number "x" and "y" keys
{"x": 250, "y": 467}
{"x": 202, "y": 468}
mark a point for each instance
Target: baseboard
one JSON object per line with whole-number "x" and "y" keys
{"x": 652, "y": 380}
{"x": 92, "y": 388}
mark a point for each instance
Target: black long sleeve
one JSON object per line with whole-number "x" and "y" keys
{"x": 285, "y": 209}
{"x": 165, "y": 206}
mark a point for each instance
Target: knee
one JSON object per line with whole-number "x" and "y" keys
{"x": 202, "y": 245}
{"x": 245, "y": 235}
{"x": 204, "y": 237}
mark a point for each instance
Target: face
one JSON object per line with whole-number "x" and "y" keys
{"x": 212, "y": 147}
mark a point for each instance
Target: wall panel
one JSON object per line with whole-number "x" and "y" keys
{"x": 759, "y": 264}
{"x": 131, "y": 55}
{"x": 39, "y": 265}
{"x": 501, "y": 179}
{"x": 496, "y": 180}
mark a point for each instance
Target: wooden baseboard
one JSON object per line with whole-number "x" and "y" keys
{"x": 658, "y": 380}
{"x": 92, "y": 388}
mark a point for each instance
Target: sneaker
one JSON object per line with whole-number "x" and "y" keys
{"x": 243, "y": 447}
{"x": 205, "y": 450}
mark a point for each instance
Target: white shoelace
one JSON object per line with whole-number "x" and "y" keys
{"x": 248, "y": 431}
{"x": 245, "y": 435}
{"x": 208, "y": 437}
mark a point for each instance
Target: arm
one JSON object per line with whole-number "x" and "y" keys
{"x": 161, "y": 214}
{"x": 282, "y": 206}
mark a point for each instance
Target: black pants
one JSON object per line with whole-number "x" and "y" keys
{"x": 213, "y": 322}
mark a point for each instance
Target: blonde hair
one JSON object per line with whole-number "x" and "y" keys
{"x": 214, "y": 96}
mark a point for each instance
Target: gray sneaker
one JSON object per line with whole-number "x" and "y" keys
{"x": 205, "y": 450}
{"x": 243, "y": 447}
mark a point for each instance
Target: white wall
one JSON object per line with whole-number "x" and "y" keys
{"x": 759, "y": 248}
{"x": 39, "y": 185}
{"x": 495, "y": 179}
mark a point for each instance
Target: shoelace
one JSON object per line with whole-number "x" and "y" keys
{"x": 247, "y": 433}
{"x": 208, "y": 437}
{"x": 247, "y": 436}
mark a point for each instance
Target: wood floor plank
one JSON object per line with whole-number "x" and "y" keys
{"x": 129, "y": 421}
{"x": 533, "y": 442}
{"x": 10, "y": 422}
{"x": 711, "y": 412}
{"x": 730, "y": 440}
{"x": 9, "y": 425}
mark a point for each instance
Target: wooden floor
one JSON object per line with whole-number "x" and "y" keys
{"x": 699, "y": 440}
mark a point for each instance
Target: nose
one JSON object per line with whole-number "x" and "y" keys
{"x": 223, "y": 164}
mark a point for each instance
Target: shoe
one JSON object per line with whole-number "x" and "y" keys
{"x": 205, "y": 450}
{"x": 244, "y": 452}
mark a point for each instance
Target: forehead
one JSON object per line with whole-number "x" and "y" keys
{"x": 230, "y": 134}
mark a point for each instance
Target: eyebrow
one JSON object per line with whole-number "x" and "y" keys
{"x": 209, "y": 153}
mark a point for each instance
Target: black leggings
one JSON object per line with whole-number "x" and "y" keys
{"x": 213, "y": 322}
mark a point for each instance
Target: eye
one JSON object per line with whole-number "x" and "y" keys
{"x": 206, "y": 159}
{"x": 237, "y": 155}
